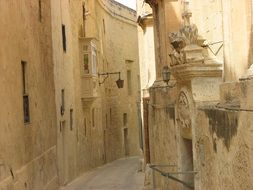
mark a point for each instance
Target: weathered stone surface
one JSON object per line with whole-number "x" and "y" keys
{"x": 66, "y": 135}
{"x": 27, "y": 150}
{"x": 219, "y": 114}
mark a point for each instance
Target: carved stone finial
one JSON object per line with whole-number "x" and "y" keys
{"x": 187, "y": 17}
{"x": 185, "y": 41}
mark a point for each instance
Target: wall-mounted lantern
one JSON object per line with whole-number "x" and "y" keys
{"x": 166, "y": 74}
{"x": 119, "y": 82}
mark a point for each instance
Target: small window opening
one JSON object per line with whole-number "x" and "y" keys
{"x": 62, "y": 101}
{"x": 85, "y": 127}
{"x": 110, "y": 115}
{"x": 84, "y": 19}
{"x": 64, "y": 44}
{"x": 93, "y": 117}
{"x": 129, "y": 82}
{"x": 40, "y": 11}
{"x": 26, "y": 109}
{"x": 86, "y": 63}
{"x": 104, "y": 25}
{"x": 71, "y": 119}
{"x": 84, "y": 11}
{"x": 125, "y": 119}
{"x": 106, "y": 121}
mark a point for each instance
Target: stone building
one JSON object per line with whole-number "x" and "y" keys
{"x": 200, "y": 123}
{"x": 62, "y": 114}
{"x": 146, "y": 62}
{"x": 27, "y": 115}
{"x": 97, "y": 121}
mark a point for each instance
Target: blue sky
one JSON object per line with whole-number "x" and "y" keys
{"x": 129, "y": 3}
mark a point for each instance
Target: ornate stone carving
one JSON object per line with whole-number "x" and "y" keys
{"x": 178, "y": 43}
{"x": 184, "y": 115}
{"x": 185, "y": 42}
{"x": 189, "y": 31}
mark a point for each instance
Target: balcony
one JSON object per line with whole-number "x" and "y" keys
{"x": 89, "y": 87}
{"x": 88, "y": 66}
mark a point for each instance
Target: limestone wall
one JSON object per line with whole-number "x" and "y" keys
{"x": 237, "y": 21}
{"x": 97, "y": 132}
{"x": 119, "y": 52}
{"x": 64, "y": 89}
{"x": 27, "y": 150}
{"x": 92, "y": 142}
{"x": 162, "y": 135}
{"x": 166, "y": 143}
{"x": 208, "y": 16}
{"x": 218, "y": 146}
{"x": 67, "y": 133}
{"x": 224, "y": 147}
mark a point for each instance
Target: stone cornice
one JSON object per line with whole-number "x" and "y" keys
{"x": 145, "y": 20}
{"x": 186, "y": 72}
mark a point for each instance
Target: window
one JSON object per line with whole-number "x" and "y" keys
{"x": 40, "y": 11}
{"x": 64, "y": 44}
{"x": 129, "y": 82}
{"x": 84, "y": 20}
{"x": 89, "y": 58}
{"x": 71, "y": 119}
{"x": 93, "y": 117}
{"x": 85, "y": 127}
{"x": 86, "y": 63}
{"x": 125, "y": 119}
{"x": 106, "y": 121}
{"x": 23, "y": 65}
{"x": 104, "y": 25}
{"x": 84, "y": 11}
{"x": 26, "y": 109}
{"x": 110, "y": 115}
{"x": 62, "y": 101}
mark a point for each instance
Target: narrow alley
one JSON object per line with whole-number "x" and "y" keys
{"x": 126, "y": 95}
{"x": 121, "y": 174}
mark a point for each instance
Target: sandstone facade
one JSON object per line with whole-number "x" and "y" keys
{"x": 28, "y": 113}
{"x": 147, "y": 66}
{"x": 52, "y": 55}
{"x": 200, "y": 126}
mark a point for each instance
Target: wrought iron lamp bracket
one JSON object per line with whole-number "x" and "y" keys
{"x": 119, "y": 82}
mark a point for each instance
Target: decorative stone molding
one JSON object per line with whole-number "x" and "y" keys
{"x": 189, "y": 59}
{"x": 145, "y": 20}
{"x": 187, "y": 72}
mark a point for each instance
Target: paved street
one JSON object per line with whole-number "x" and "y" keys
{"x": 121, "y": 174}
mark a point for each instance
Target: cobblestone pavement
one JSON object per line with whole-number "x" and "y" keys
{"x": 121, "y": 174}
